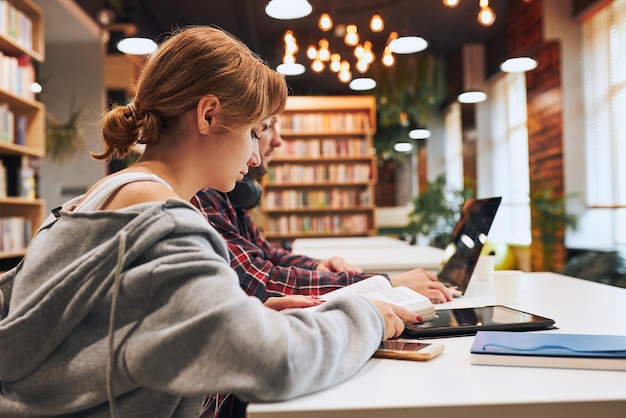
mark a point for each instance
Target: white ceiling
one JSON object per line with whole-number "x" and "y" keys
{"x": 66, "y": 22}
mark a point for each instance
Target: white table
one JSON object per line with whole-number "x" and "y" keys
{"x": 449, "y": 386}
{"x": 301, "y": 245}
{"x": 382, "y": 258}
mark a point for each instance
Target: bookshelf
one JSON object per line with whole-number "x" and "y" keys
{"x": 22, "y": 127}
{"x": 321, "y": 181}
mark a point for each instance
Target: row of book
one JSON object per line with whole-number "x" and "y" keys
{"x": 318, "y": 225}
{"x": 23, "y": 178}
{"x": 17, "y": 74}
{"x": 16, "y": 24}
{"x": 315, "y": 173}
{"x": 326, "y": 122}
{"x": 15, "y": 234}
{"x": 331, "y": 147}
{"x": 316, "y": 199}
{"x": 12, "y": 126}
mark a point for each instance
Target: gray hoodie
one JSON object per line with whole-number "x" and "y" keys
{"x": 142, "y": 303}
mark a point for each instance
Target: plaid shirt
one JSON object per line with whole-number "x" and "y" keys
{"x": 264, "y": 269}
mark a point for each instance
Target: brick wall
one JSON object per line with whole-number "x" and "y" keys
{"x": 545, "y": 122}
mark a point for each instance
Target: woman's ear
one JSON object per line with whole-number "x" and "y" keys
{"x": 206, "y": 111}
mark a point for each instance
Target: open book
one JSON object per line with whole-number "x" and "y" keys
{"x": 380, "y": 288}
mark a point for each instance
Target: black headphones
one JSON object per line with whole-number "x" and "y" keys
{"x": 246, "y": 194}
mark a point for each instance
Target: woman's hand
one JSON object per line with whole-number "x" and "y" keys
{"x": 425, "y": 283}
{"x": 395, "y": 317}
{"x": 293, "y": 301}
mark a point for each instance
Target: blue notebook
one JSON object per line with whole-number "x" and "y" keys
{"x": 544, "y": 349}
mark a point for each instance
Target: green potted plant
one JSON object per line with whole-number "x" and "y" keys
{"x": 551, "y": 218}
{"x": 435, "y": 211}
{"x": 63, "y": 139}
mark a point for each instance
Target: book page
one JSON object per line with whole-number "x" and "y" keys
{"x": 371, "y": 284}
{"x": 402, "y": 296}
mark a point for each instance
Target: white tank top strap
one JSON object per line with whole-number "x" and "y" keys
{"x": 101, "y": 194}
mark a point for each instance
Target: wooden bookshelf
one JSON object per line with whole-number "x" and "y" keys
{"x": 321, "y": 180}
{"x": 22, "y": 127}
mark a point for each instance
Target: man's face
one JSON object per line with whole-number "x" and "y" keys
{"x": 269, "y": 138}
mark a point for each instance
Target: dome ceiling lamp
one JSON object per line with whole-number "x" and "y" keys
{"x": 288, "y": 9}
{"x": 473, "y": 74}
{"x": 518, "y": 65}
{"x": 289, "y": 65}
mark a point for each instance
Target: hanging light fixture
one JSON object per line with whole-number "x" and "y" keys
{"x": 451, "y": 3}
{"x": 352, "y": 37}
{"x": 388, "y": 59}
{"x": 419, "y": 132}
{"x": 403, "y": 147}
{"x": 137, "y": 46}
{"x": 377, "y": 24}
{"x": 288, "y": 9}
{"x": 408, "y": 45}
{"x": 325, "y": 23}
{"x": 518, "y": 65}
{"x": 473, "y": 73}
{"x": 363, "y": 83}
{"x": 486, "y": 16}
{"x": 289, "y": 65}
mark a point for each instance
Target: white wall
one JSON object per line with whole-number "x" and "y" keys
{"x": 72, "y": 72}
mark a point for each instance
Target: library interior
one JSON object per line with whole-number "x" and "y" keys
{"x": 383, "y": 142}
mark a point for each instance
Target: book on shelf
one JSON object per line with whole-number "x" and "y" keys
{"x": 544, "y": 349}
{"x": 380, "y": 288}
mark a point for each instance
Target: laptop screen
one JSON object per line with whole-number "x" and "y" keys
{"x": 468, "y": 238}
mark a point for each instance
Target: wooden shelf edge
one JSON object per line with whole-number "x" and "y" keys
{"x": 293, "y": 185}
{"x": 320, "y": 210}
{"x": 13, "y": 200}
{"x": 14, "y": 254}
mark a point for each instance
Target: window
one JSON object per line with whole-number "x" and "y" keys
{"x": 604, "y": 84}
{"x": 502, "y": 151}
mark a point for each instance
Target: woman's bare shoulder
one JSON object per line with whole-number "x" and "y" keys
{"x": 137, "y": 192}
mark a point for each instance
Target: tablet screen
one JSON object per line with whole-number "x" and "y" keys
{"x": 467, "y": 321}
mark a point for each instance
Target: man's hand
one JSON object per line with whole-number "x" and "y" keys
{"x": 337, "y": 264}
{"x": 425, "y": 283}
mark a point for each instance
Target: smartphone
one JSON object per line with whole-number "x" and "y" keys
{"x": 408, "y": 350}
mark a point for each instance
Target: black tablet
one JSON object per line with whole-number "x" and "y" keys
{"x": 467, "y": 321}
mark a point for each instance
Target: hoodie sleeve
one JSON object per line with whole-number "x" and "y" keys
{"x": 202, "y": 334}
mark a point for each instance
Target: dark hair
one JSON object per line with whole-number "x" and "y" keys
{"x": 194, "y": 62}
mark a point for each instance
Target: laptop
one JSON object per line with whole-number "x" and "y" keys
{"x": 468, "y": 238}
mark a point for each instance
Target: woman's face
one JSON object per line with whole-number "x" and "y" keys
{"x": 233, "y": 153}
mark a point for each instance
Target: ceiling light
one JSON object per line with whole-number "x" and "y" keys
{"x": 419, "y": 133}
{"x": 450, "y": 3}
{"x": 486, "y": 16}
{"x": 408, "y": 44}
{"x": 474, "y": 96}
{"x": 377, "y": 24}
{"x": 326, "y": 22}
{"x": 360, "y": 84}
{"x": 288, "y": 9}
{"x": 137, "y": 46}
{"x": 518, "y": 65}
{"x": 290, "y": 68}
{"x": 352, "y": 36}
{"x": 403, "y": 147}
